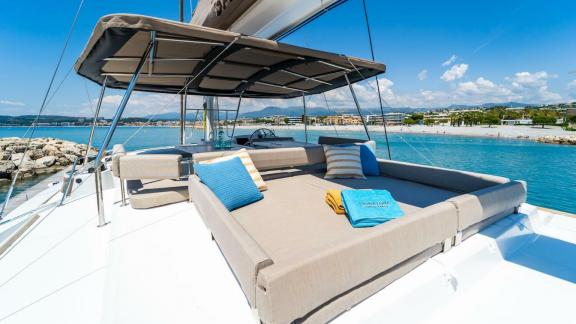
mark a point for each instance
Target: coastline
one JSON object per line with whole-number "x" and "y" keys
{"x": 531, "y": 133}
{"x": 498, "y": 132}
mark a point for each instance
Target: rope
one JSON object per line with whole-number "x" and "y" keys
{"x": 377, "y": 83}
{"x": 420, "y": 153}
{"x": 44, "y": 104}
{"x": 52, "y": 96}
{"x": 330, "y": 111}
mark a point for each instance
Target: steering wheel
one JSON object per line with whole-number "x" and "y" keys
{"x": 261, "y": 133}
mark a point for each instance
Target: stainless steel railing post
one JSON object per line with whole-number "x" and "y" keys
{"x": 305, "y": 116}
{"x": 99, "y": 197}
{"x": 95, "y": 121}
{"x": 110, "y": 133}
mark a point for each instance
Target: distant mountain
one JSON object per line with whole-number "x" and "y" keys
{"x": 290, "y": 112}
{"x": 510, "y": 104}
{"x": 320, "y": 111}
{"x": 170, "y": 116}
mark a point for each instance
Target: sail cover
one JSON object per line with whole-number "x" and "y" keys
{"x": 220, "y": 14}
{"x": 211, "y": 62}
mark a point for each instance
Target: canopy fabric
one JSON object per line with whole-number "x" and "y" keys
{"x": 211, "y": 62}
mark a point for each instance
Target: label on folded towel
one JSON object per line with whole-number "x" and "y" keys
{"x": 366, "y": 208}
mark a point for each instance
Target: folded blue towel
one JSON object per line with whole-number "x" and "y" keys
{"x": 366, "y": 208}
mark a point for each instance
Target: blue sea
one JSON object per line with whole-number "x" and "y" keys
{"x": 549, "y": 169}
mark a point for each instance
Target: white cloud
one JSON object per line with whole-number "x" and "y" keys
{"x": 531, "y": 80}
{"x": 422, "y": 75}
{"x": 450, "y": 61}
{"x": 12, "y": 103}
{"x": 534, "y": 86}
{"x": 484, "y": 87}
{"x": 455, "y": 72}
{"x": 572, "y": 85}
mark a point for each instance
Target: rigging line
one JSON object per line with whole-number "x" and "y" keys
{"x": 417, "y": 151}
{"x": 52, "y": 96}
{"x": 369, "y": 30}
{"x": 89, "y": 97}
{"x": 330, "y": 111}
{"x": 43, "y": 105}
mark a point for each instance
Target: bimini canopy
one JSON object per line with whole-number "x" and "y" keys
{"x": 211, "y": 62}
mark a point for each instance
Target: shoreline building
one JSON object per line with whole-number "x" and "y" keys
{"x": 391, "y": 118}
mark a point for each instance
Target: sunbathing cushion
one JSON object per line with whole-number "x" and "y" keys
{"x": 230, "y": 182}
{"x": 247, "y": 161}
{"x": 343, "y": 162}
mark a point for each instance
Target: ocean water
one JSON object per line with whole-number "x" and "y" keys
{"x": 550, "y": 170}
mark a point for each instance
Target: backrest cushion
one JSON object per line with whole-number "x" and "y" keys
{"x": 247, "y": 161}
{"x": 273, "y": 159}
{"x": 230, "y": 182}
{"x": 150, "y": 166}
{"x": 343, "y": 162}
{"x": 117, "y": 151}
{"x": 370, "y": 166}
{"x": 270, "y": 159}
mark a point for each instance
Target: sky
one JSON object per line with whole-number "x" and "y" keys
{"x": 437, "y": 53}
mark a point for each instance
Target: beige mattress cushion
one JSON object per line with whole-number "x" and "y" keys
{"x": 294, "y": 221}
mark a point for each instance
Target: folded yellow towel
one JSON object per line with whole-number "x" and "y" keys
{"x": 334, "y": 200}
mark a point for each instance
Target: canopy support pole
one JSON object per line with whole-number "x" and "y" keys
{"x": 305, "y": 118}
{"x": 357, "y": 105}
{"x": 237, "y": 112}
{"x": 208, "y": 118}
{"x": 95, "y": 120}
{"x": 183, "y": 104}
{"x": 110, "y": 133}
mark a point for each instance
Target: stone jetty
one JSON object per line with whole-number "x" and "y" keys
{"x": 44, "y": 155}
{"x": 560, "y": 139}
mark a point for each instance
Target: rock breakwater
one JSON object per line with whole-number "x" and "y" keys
{"x": 44, "y": 155}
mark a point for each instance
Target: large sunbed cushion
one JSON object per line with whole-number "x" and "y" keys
{"x": 247, "y": 161}
{"x": 230, "y": 182}
{"x": 318, "y": 256}
{"x": 343, "y": 162}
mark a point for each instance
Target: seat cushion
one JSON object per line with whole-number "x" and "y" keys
{"x": 294, "y": 221}
{"x": 155, "y": 193}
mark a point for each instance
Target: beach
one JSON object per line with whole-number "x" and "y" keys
{"x": 504, "y": 132}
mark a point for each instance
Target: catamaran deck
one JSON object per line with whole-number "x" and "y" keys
{"x": 160, "y": 265}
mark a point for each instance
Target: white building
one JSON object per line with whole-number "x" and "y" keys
{"x": 392, "y": 118}
{"x": 512, "y": 122}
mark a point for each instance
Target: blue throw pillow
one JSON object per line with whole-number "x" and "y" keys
{"x": 230, "y": 182}
{"x": 370, "y": 165}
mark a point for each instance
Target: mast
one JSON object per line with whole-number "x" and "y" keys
{"x": 182, "y": 96}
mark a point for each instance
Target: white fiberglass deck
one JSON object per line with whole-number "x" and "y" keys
{"x": 161, "y": 266}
